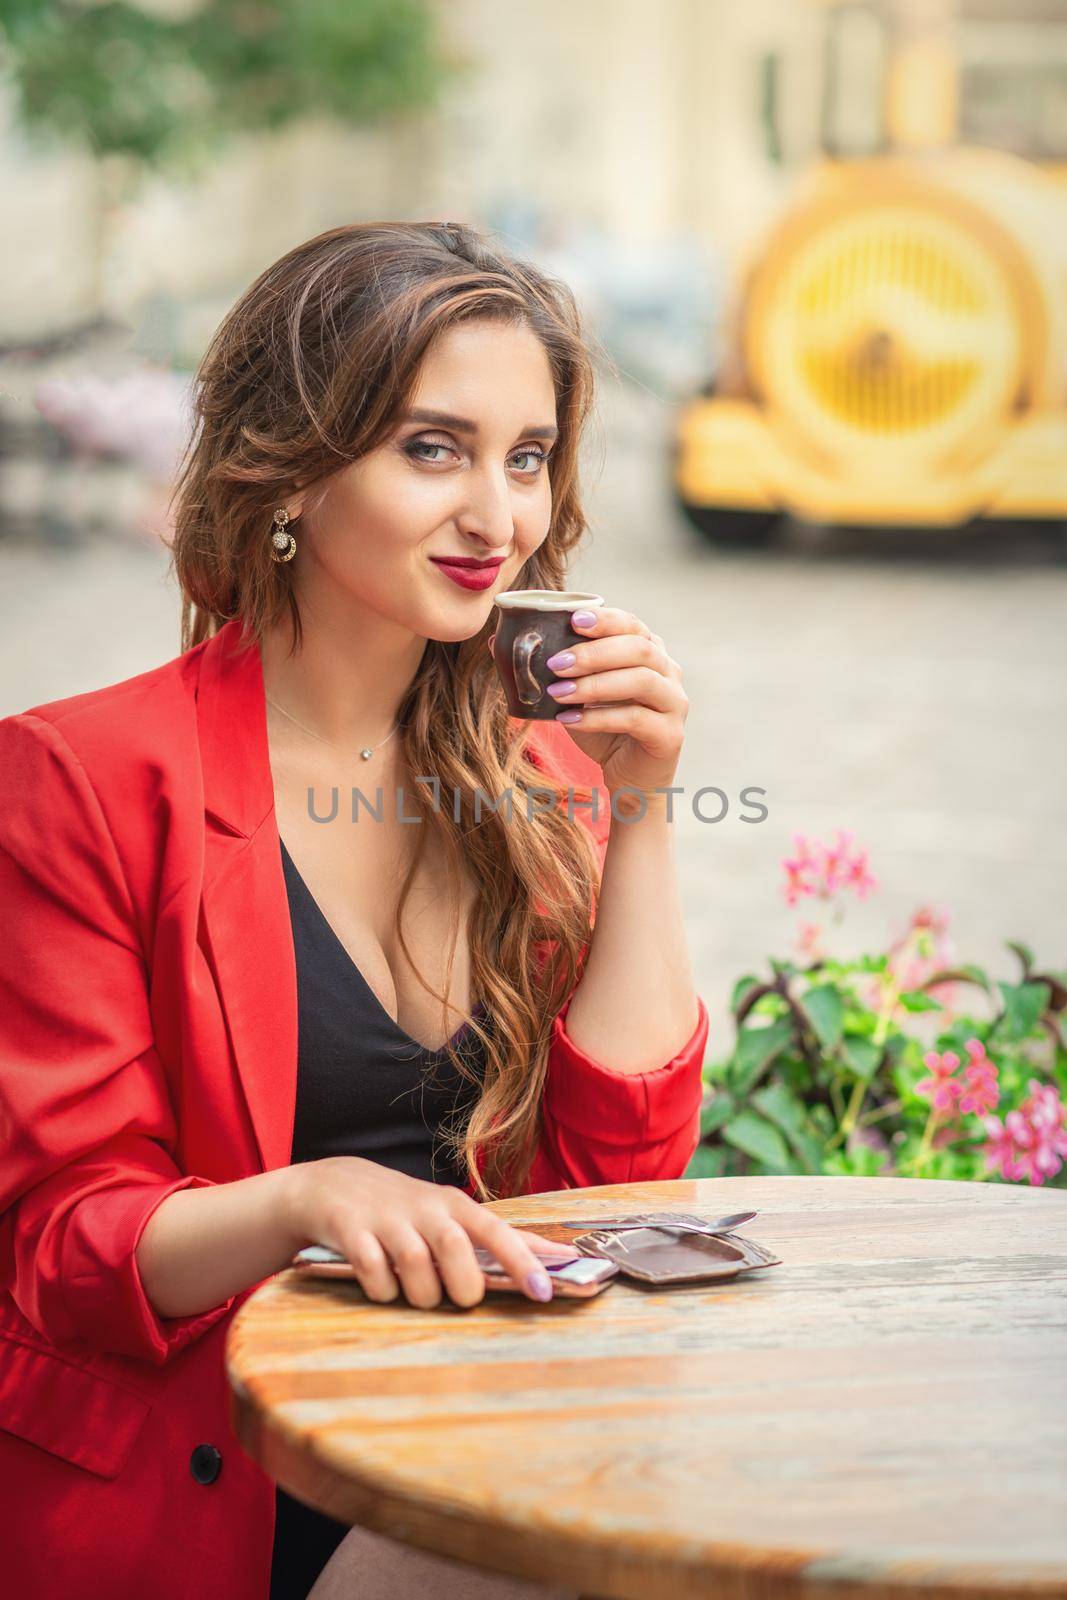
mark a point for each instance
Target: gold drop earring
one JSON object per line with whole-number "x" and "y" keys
{"x": 282, "y": 540}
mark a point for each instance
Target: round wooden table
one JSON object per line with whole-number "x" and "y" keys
{"x": 883, "y": 1414}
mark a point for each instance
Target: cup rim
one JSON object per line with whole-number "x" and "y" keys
{"x": 546, "y": 599}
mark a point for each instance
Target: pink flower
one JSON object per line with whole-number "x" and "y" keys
{"x": 1031, "y": 1142}
{"x": 859, "y": 877}
{"x": 999, "y": 1152}
{"x": 982, "y": 1092}
{"x": 809, "y": 941}
{"x": 796, "y": 869}
{"x": 822, "y": 870}
{"x": 943, "y": 1089}
{"x": 835, "y": 866}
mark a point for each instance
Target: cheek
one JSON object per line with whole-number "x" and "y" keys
{"x": 409, "y": 506}
{"x": 533, "y": 518}
{"x": 377, "y": 521}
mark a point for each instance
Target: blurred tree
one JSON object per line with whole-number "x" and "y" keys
{"x": 162, "y": 85}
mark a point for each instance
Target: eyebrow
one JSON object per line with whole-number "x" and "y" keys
{"x": 444, "y": 419}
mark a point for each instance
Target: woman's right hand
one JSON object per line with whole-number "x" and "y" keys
{"x": 403, "y": 1235}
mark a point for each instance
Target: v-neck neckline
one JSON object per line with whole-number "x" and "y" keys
{"x": 416, "y": 1044}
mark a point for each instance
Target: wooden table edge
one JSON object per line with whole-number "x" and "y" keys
{"x": 591, "y": 1563}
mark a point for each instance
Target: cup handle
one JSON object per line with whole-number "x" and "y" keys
{"x": 523, "y": 650}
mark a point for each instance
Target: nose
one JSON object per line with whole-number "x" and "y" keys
{"x": 489, "y": 517}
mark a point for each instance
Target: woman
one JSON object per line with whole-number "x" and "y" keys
{"x": 238, "y": 1021}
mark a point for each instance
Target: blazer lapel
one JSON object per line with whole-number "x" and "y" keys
{"x": 245, "y": 910}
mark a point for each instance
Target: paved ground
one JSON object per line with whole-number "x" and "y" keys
{"x": 899, "y": 686}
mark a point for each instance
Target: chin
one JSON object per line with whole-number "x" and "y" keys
{"x": 463, "y": 620}
{"x": 453, "y": 630}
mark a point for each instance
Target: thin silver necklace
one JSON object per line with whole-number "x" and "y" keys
{"x": 366, "y": 752}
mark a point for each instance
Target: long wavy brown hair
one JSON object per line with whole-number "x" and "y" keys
{"x": 309, "y": 371}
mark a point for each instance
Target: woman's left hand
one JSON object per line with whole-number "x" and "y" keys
{"x": 630, "y": 694}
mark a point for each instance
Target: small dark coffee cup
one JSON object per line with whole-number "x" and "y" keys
{"x": 533, "y": 625}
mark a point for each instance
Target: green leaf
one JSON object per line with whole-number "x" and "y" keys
{"x": 715, "y": 1113}
{"x": 967, "y": 972}
{"x": 1057, "y": 982}
{"x": 826, "y": 1012}
{"x": 759, "y": 1139}
{"x": 755, "y": 1051}
{"x": 741, "y": 988}
{"x": 789, "y": 1113}
{"x": 858, "y": 1162}
{"x": 870, "y": 964}
{"x": 822, "y": 1120}
{"x": 895, "y": 1046}
{"x": 915, "y": 1000}
{"x": 861, "y": 1054}
{"x": 161, "y": 89}
{"x": 1023, "y": 1005}
{"x": 707, "y": 1162}
{"x": 1024, "y": 953}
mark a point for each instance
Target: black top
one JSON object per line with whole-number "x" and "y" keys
{"x": 364, "y": 1088}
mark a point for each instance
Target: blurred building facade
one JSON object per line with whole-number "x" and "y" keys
{"x": 683, "y": 119}
{"x": 642, "y": 121}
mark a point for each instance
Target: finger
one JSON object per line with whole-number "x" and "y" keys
{"x": 508, "y": 1247}
{"x": 549, "y": 1250}
{"x": 410, "y": 1258}
{"x": 616, "y": 650}
{"x": 640, "y": 685}
{"x": 610, "y": 619}
{"x": 453, "y": 1253}
{"x": 368, "y": 1260}
{"x": 545, "y": 1249}
{"x": 672, "y": 666}
{"x": 649, "y": 729}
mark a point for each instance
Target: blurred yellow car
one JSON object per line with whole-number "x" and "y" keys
{"x": 897, "y": 353}
{"x": 900, "y": 355}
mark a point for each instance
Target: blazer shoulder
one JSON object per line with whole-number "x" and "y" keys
{"x": 120, "y": 723}
{"x": 180, "y": 673}
{"x": 131, "y": 700}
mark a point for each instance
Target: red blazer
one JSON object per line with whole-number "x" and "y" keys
{"x": 148, "y": 1043}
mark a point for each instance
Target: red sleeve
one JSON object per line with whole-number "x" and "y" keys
{"x": 87, "y": 1127}
{"x": 604, "y": 1126}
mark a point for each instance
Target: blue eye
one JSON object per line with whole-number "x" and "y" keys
{"x": 416, "y": 446}
{"x": 423, "y": 444}
{"x": 534, "y": 454}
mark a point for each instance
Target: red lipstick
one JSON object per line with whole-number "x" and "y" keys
{"x": 468, "y": 572}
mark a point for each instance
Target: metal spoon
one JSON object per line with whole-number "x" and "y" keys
{"x": 674, "y": 1220}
